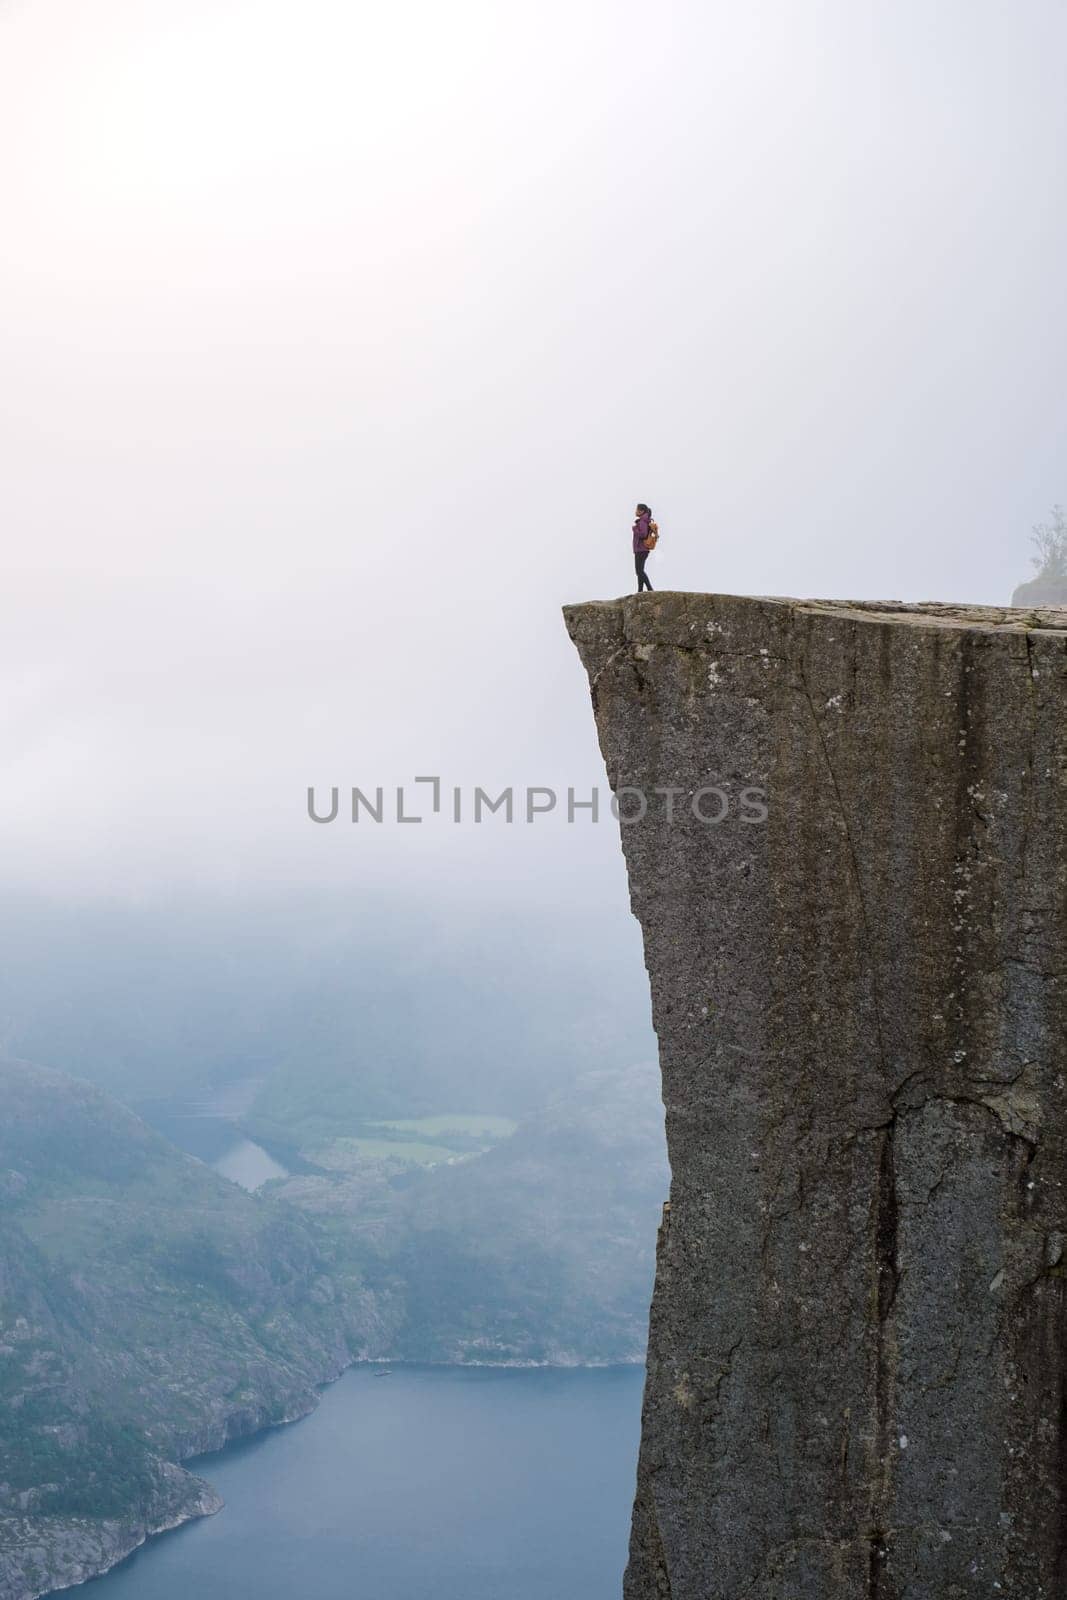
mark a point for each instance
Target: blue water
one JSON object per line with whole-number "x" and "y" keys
{"x": 435, "y": 1483}
{"x": 208, "y": 1129}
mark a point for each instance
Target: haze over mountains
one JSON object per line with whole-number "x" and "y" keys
{"x": 474, "y": 1177}
{"x": 407, "y": 1008}
{"x": 344, "y": 339}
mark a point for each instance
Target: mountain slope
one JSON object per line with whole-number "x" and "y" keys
{"x": 537, "y": 1250}
{"x": 149, "y": 1310}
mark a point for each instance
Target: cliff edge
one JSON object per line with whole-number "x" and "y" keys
{"x": 848, "y": 855}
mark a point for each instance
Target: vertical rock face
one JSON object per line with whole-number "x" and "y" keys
{"x": 858, "y": 1337}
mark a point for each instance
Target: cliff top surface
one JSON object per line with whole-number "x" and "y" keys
{"x": 663, "y": 612}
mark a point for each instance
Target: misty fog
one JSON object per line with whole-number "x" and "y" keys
{"x": 339, "y": 343}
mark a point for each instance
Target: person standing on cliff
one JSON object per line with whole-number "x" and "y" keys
{"x": 645, "y": 536}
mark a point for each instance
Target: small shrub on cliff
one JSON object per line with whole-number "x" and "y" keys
{"x": 1050, "y": 541}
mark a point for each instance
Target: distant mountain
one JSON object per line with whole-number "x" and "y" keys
{"x": 539, "y": 1249}
{"x": 343, "y": 1006}
{"x": 149, "y": 1310}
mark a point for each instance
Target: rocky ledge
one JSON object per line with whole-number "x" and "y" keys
{"x": 848, "y": 856}
{"x": 41, "y": 1554}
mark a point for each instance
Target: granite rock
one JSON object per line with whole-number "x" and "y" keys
{"x": 858, "y": 1334}
{"x": 1044, "y": 590}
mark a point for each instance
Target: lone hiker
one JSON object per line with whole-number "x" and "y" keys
{"x": 646, "y": 536}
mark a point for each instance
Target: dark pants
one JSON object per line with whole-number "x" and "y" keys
{"x": 640, "y": 557}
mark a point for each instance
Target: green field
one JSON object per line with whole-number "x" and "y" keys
{"x": 472, "y": 1123}
{"x": 417, "y": 1141}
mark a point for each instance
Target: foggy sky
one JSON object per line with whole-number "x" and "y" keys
{"x": 338, "y": 341}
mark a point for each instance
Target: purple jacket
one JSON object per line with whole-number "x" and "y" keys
{"x": 640, "y": 534}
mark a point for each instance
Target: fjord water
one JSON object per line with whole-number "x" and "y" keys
{"x": 208, "y": 1129}
{"x": 433, "y": 1483}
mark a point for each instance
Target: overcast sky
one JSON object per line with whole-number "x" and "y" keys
{"x": 337, "y": 341}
